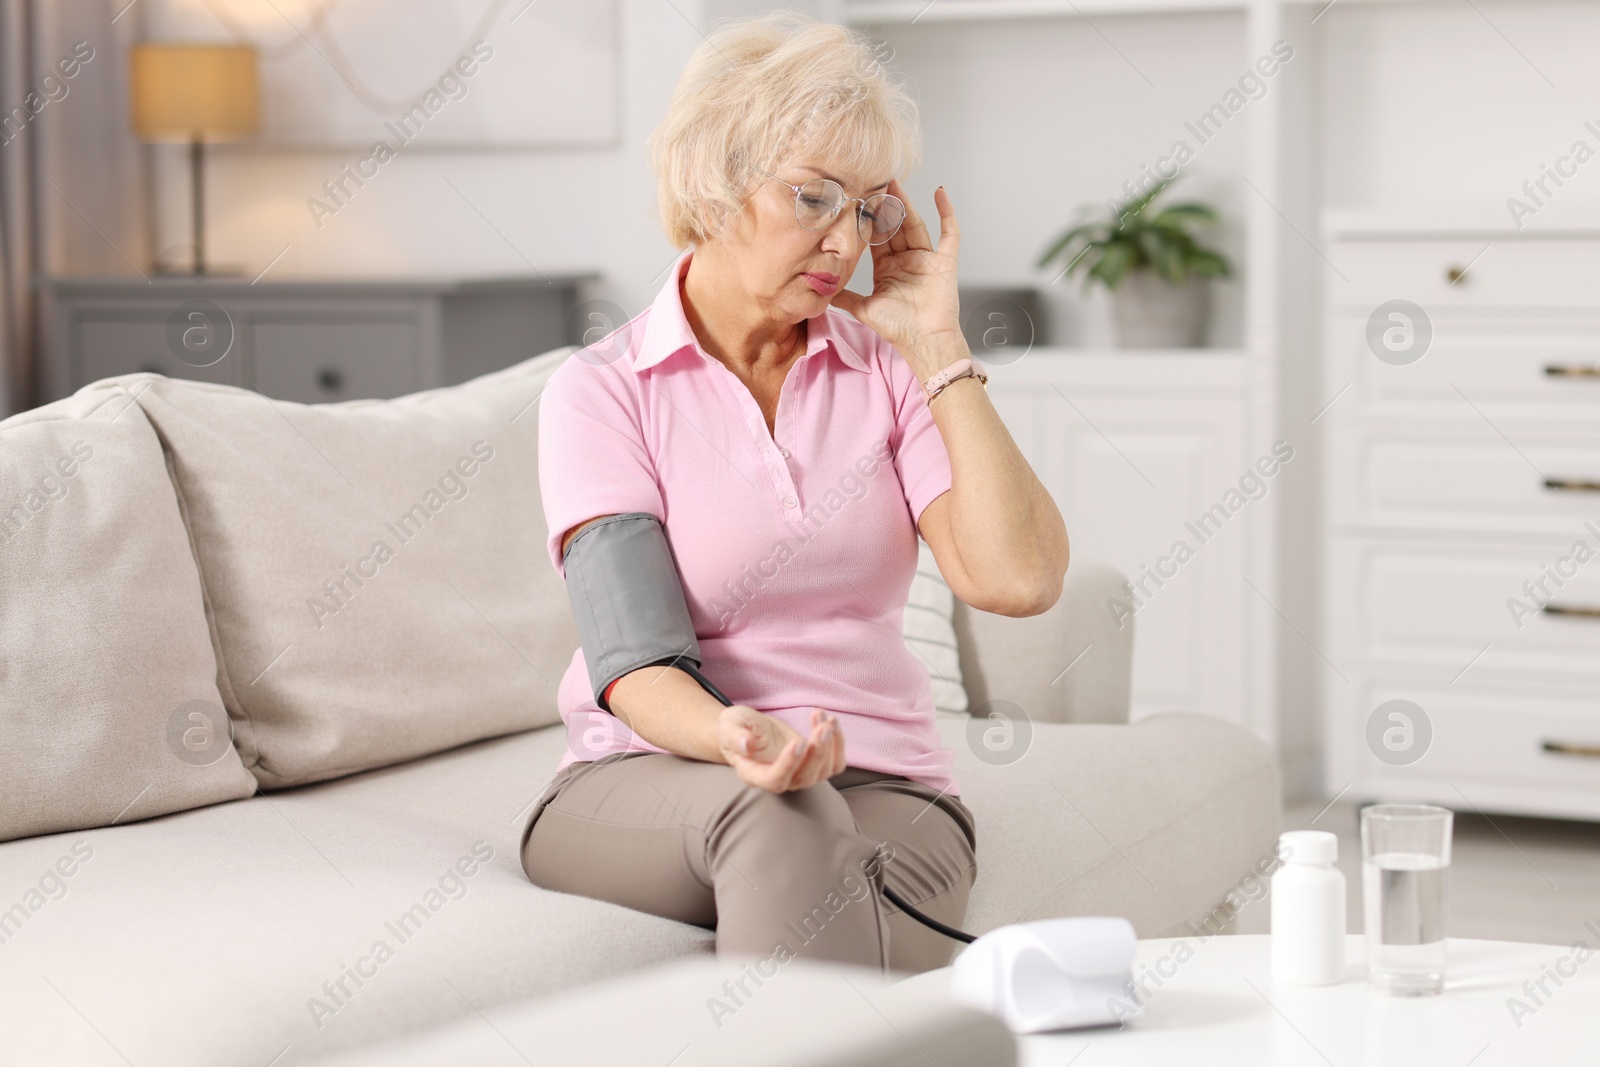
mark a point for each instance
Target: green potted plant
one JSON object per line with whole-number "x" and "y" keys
{"x": 1148, "y": 260}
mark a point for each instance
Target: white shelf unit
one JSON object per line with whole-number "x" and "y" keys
{"x": 1133, "y": 445}
{"x": 1450, "y": 480}
{"x": 887, "y": 11}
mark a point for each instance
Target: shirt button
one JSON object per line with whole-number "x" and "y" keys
{"x": 788, "y": 501}
{"x": 784, "y": 452}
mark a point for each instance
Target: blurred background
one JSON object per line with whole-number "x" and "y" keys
{"x": 1348, "y": 360}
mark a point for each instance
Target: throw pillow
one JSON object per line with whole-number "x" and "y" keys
{"x": 109, "y": 710}
{"x": 931, "y": 635}
{"x": 375, "y": 570}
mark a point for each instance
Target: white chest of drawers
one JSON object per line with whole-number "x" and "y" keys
{"x": 1461, "y": 520}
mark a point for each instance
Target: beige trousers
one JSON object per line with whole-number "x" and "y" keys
{"x": 781, "y": 875}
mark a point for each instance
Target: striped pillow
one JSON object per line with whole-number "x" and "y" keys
{"x": 931, "y": 635}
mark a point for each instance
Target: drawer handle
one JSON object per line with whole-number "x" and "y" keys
{"x": 1454, "y": 274}
{"x": 1572, "y": 370}
{"x": 1565, "y": 748}
{"x": 330, "y": 380}
{"x": 1573, "y": 485}
{"x": 1575, "y": 611}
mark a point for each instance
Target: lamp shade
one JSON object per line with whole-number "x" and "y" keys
{"x": 187, "y": 92}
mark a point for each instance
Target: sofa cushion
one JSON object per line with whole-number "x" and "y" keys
{"x": 207, "y": 936}
{"x": 1155, "y": 821}
{"x": 321, "y": 918}
{"x": 1073, "y": 663}
{"x": 930, "y": 633}
{"x": 719, "y": 1013}
{"x": 374, "y": 569}
{"x": 109, "y": 709}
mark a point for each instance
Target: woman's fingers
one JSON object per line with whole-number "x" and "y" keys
{"x": 916, "y": 233}
{"x": 775, "y": 775}
{"x": 949, "y": 230}
{"x": 898, "y": 242}
{"x": 803, "y": 761}
{"x": 834, "y": 745}
{"x": 838, "y": 745}
{"x": 807, "y": 766}
{"x": 820, "y": 756}
{"x": 763, "y": 776}
{"x": 788, "y": 764}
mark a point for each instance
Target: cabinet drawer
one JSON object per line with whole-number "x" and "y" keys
{"x": 317, "y": 359}
{"x": 105, "y": 345}
{"x": 1511, "y": 367}
{"x": 1547, "y": 272}
{"x": 1477, "y": 745}
{"x": 1516, "y": 737}
{"x": 1463, "y": 475}
{"x": 1444, "y": 604}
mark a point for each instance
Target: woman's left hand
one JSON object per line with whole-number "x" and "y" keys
{"x": 913, "y": 283}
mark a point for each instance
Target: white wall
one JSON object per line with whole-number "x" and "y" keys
{"x": 1410, "y": 105}
{"x": 1027, "y": 120}
{"x": 559, "y": 209}
{"x": 1444, "y": 103}
{"x": 1407, "y": 105}
{"x": 1423, "y": 103}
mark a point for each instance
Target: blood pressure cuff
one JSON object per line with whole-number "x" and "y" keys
{"x": 628, "y": 602}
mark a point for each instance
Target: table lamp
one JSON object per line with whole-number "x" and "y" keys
{"x": 194, "y": 93}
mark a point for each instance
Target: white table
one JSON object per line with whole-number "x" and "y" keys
{"x": 1219, "y": 1005}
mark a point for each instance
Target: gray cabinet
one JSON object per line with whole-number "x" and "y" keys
{"x": 308, "y": 341}
{"x": 315, "y": 357}
{"x": 118, "y": 340}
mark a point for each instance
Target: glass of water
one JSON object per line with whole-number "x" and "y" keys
{"x": 1405, "y": 890}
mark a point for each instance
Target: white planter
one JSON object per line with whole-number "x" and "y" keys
{"x": 1153, "y": 313}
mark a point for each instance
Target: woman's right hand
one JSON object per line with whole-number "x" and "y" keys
{"x": 769, "y": 753}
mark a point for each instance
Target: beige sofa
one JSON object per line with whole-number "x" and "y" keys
{"x": 278, "y": 688}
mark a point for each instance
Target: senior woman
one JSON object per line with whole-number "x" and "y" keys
{"x": 792, "y": 454}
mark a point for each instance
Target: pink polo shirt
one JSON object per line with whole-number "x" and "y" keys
{"x": 796, "y": 549}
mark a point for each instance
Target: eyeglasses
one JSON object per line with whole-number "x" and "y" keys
{"x": 818, "y": 202}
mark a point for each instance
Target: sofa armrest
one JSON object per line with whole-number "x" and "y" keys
{"x": 1158, "y": 822}
{"x": 1022, "y": 660}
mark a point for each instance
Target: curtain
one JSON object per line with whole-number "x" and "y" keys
{"x": 73, "y": 178}
{"x": 17, "y": 253}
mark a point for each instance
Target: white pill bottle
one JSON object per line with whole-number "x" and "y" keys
{"x": 1308, "y": 910}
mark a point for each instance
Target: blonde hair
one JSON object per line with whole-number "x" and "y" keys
{"x": 761, "y": 89}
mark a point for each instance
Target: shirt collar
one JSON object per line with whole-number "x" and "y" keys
{"x": 667, "y": 331}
